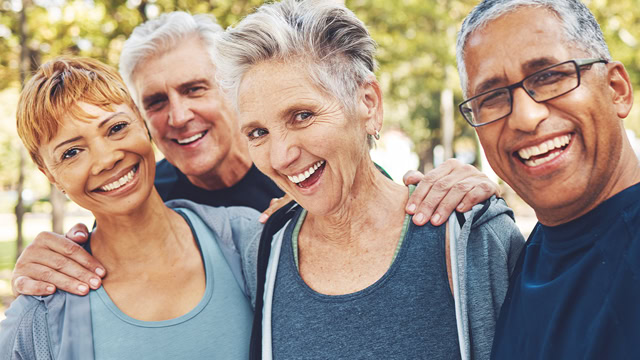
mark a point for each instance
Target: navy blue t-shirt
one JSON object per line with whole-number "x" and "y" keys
{"x": 254, "y": 190}
{"x": 575, "y": 292}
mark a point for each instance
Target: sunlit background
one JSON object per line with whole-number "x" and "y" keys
{"x": 417, "y": 71}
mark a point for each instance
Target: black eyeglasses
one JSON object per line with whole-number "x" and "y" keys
{"x": 546, "y": 84}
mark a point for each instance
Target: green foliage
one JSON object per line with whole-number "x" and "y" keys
{"x": 416, "y": 50}
{"x": 417, "y": 61}
{"x": 7, "y": 255}
{"x": 620, "y": 23}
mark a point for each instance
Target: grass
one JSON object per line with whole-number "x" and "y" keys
{"x": 7, "y": 255}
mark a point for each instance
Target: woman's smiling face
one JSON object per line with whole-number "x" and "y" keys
{"x": 301, "y": 137}
{"x": 104, "y": 164}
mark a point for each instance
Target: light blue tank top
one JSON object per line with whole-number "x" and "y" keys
{"x": 219, "y": 327}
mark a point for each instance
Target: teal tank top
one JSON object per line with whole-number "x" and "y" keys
{"x": 219, "y": 327}
{"x": 407, "y": 314}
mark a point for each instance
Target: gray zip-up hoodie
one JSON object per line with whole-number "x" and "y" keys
{"x": 483, "y": 256}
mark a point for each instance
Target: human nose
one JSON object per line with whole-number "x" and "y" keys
{"x": 526, "y": 113}
{"x": 283, "y": 152}
{"x": 105, "y": 157}
{"x": 179, "y": 112}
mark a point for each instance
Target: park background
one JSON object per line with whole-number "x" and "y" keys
{"x": 417, "y": 70}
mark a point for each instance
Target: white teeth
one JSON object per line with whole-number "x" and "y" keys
{"x": 120, "y": 182}
{"x": 555, "y": 143}
{"x": 536, "y": 162}
{"x": 305, "y": 175}
{"x": 190, "y": 139}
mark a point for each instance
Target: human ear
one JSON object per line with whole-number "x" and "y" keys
{"x": 372, "y": 101}
{"x": 621, "y": 88}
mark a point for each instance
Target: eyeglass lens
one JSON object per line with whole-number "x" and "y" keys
{"x": 540, "y": 86}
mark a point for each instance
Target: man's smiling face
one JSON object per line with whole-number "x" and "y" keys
{"x": 558, "y": 155}
{"x": 188, "y": 117}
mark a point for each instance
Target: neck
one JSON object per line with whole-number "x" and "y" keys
{"x": 626, "y": 174}
{"x": 229, "y": 172}
{"x": 374, "y": 202}
{"x": 146, "y": 236}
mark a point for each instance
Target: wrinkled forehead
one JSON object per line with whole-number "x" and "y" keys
{"x": 276, "y": 89}
{"x": 185, "y": 60}
{"x": 512, "y": 46}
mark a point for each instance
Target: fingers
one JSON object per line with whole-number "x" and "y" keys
{"x": 274, "y": 206}
{"x": 78, "y": 233}
{"x": 451, "y": 186}
{"x": 412, "y": 177}
{"x": 446, "y": 200}
{"x": 480, "y": 189}
{"x": 27, "y": 286}
{"x": 58, "y": 261}
{"x": 435, "y": 206}
{"x": 422, "y": 203}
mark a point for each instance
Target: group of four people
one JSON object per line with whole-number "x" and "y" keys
{"x": 344, "y": 272}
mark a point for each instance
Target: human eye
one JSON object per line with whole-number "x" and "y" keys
{"x": 550, "y": 76}
{"x": 154, "y": 105}
{"x": 302, "y": 116}
{"x": 195, "y": 90}
{"x": 256, "y": 133}
{"x": 69, "y": 154}
{"x": 495, "y": 98}
{"x": 118, "y": 127}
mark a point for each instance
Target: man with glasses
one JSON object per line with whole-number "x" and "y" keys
{"x": 548, "y": 103}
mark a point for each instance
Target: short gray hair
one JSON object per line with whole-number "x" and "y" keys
{"x": 325, "y": 37}
{"x": 158, "y": 35}
{"x": 580, "y": 26}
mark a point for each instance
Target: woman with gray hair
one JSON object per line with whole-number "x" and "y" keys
{"x": 349, "y": 276}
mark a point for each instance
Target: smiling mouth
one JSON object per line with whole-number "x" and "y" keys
{"x": 124, "y": 180}
{"x": 544, "y": 152}
{"x": 190, "y": 139}
{"x": 309, "y": 176}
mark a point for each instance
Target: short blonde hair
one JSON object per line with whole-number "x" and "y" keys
{"x": 55, "y": 91}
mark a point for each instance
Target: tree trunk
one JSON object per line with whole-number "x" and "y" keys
{"x": 425, "y": 156}
{"x": 57, "y": 200}
{"x": 20, "y": 210}
{"x": 24, "y": 69}
{"x": 447, "y": 125}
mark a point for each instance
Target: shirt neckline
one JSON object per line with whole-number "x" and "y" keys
{"x": 294, "y": 245}
{"x": 208, "y": 292}
{"x": 573, "y": 233}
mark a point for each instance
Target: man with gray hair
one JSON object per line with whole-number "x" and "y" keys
{"x": 548, "y": 102}
{"x": 167, "y": 66}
